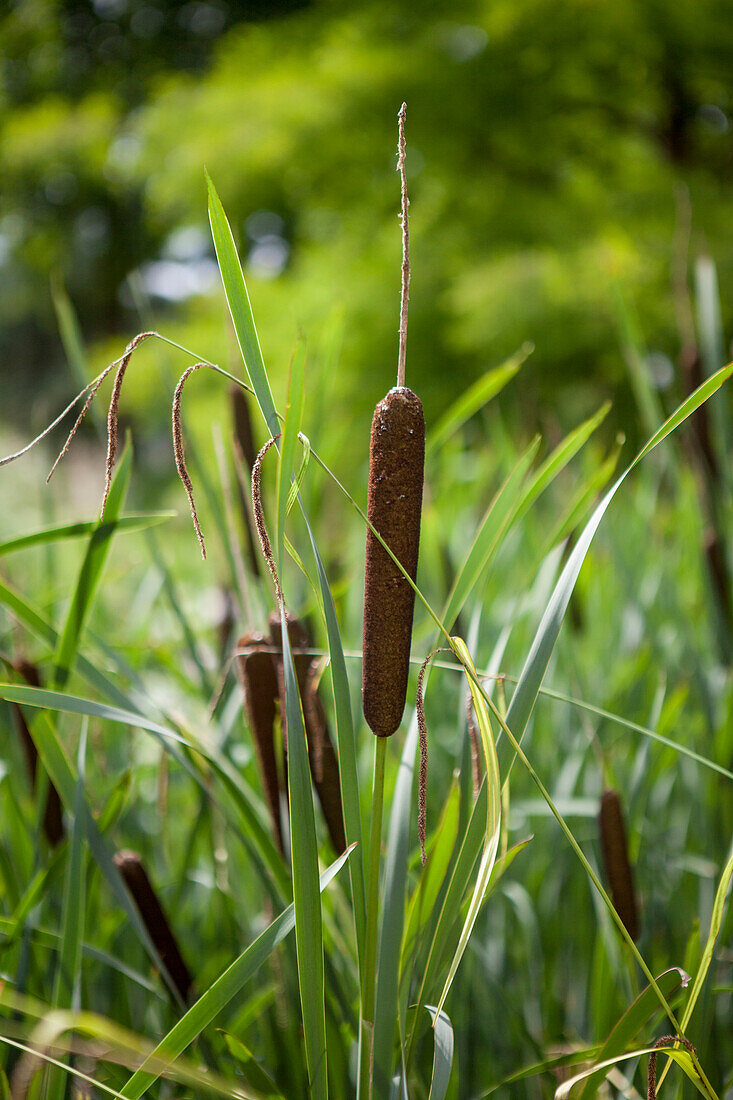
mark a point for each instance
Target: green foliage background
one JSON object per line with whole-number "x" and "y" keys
{"x": 558, "y": 155}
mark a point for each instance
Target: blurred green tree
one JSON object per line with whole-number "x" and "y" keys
{"x": 553, "y": 154}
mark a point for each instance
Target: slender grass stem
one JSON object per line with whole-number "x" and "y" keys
{"x": 369, "y": 976}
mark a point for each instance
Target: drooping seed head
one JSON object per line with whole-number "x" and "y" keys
{"x": 396, "y": 461}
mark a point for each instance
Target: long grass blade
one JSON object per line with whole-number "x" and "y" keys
{"x": 241, "y": 312}
{"x": 560, "y": 457}
{"x": 492, "y": 825}
{"x": 90, "y": 573}
{"x": 475, "y": 397}
{"x": 81, "y": 530}
{"x": 63, "y": 777}
{"x": 442, "y": 1053}
{"x": 499, "y": 517}
{"x": 239, "y": 306}
{"x": 525, "y": 694}
{"x": 716, "y": 921}
{"x": 289, "y": 443}
{"x": 260, "y": 841}
{"x": 636, "y": 1016}
{"x": 221, "y": 992}
{"x": 306, "y": 894}
{"x": 570, "y": 1089}
{"x": 393, "y": 918}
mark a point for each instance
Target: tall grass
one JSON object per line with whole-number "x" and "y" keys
{"x": 501, "y": 964}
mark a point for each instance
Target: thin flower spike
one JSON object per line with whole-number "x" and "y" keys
{"x": 665, "y": 1041}
{"x": 85, "y": 409}
{"x": 260, "y": 518}
{"x": 422, "y": 797}
{"x": 180, "y": 454}
{"x": 113, "y": 411}
{"x": 475, "y": 745}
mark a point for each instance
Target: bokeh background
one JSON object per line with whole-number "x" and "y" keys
{"x": 569, "y": 166}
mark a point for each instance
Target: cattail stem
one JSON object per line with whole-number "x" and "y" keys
{"x": 369, "y": 976}
{"x": 405, "y": 296}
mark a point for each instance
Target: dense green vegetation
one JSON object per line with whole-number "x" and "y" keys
{"x": 568, "y": 171}
{"x": 637, "y": 698}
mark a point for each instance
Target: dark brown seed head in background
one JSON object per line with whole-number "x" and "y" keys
{"x": 616, "y": 860}
{"x": 321, "y": 753}
{"x": 257, "y": 675}
{"x": 53, "y": 813}
{"x": 136, "y": 879}
{"x": 396, "y": 462}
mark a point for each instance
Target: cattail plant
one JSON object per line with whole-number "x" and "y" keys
{"x": 616, "y": 861}
{"x": 321, "y": 753}
{"x": 258, "y": 678}
{"x": 394, "y": 504}
{"x": 261, "y": 674}
{"x": 146, "y": 901}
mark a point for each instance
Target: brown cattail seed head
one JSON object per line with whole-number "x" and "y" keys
{"x": 616, "y": 860}
{"x": 396, "y": 461}
{"x": 258, "y": 677}
{"x": 135, "y": 876}
{"x": 321, "y": 753}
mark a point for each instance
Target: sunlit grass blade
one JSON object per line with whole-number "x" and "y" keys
{"x": 63, "y": 777}
{"x": 66, "y": 531}
{"x": 289, "y": 442}
{"x": 221, "y": 992}
{"x": 422, "y": 904}
{"x": 240, "y": 308}
{"x": 241, "y": 311}
{"x": 259, "y": 839}
{"x": 295, "y": 488}
{"x": 492, "y": 823}
{"x": 346, "y": 742}
{"x": 525, "y": 694}
{"x": 67, "y": 987}
{"x": 442, "y": 1053}
{"x": 393, "y": 918}
{"x": 67, "y": 983}
{"x": 90, "y": 573}
{"x": 64, "y": 1031}
{"x": 499, "y": 517}
{"x": 712, "y": 346}
{"x": 306, "y": 894}
{"x": 570, "y": 1089}
{"x": 475, "y": 397}
{"x": 716, "y": 921}
{"x": 636, "y": 1016}
{"x": 558, "y": 459}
